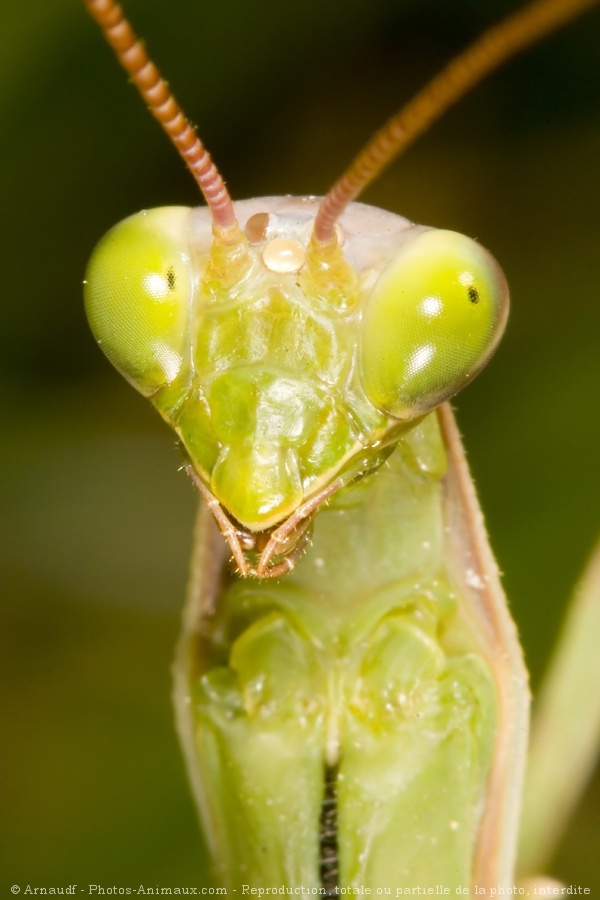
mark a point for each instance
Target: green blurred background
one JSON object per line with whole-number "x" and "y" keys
{"x": 96, "y": 517}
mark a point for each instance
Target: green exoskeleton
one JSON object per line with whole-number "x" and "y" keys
{"x": 349, "y": 689}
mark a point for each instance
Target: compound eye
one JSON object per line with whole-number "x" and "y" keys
{"x": 431, "y": 322}
{"x": 138, "y": 290}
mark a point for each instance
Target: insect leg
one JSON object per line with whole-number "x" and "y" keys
{"x": 566, "y": 727}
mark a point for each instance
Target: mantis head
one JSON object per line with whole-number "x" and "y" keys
{"x": 290, "y": 343}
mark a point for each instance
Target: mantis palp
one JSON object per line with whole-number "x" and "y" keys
{"x": 401, "y": 709}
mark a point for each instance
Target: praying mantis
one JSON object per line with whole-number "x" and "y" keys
{"x": 283, "y": 557}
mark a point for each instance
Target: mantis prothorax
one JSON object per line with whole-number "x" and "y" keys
{"x": 350, "y": 693}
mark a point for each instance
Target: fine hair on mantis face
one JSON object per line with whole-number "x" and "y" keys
{"x": 299, "y": 349}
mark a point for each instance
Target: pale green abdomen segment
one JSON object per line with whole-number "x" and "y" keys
{"x": 359, "y": 669}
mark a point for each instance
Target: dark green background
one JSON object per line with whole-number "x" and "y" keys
{"x": 97, "y": 519}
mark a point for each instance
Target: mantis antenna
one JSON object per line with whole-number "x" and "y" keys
{"x": 493, "y": 48}
{"x": 163, "y": 106}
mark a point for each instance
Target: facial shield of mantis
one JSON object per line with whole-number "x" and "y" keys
{"x": 349, "y": 688}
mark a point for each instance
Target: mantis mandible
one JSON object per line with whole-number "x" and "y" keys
{"x": 350, "y": 693}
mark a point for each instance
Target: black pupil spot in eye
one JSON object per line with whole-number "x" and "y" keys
{"x": 473, "y": 295}
{"x": 171, "y": 279}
